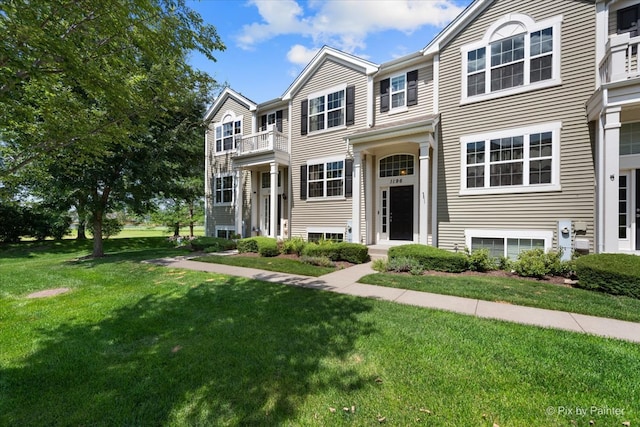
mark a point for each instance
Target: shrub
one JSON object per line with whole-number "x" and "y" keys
{"x": 320, "y": 261}
{"x": 355, "y": 253}
{"x": 265, "y": 246}
{"x": 380, "y": 265}
{"x": 531, "y": 263}
{"x": 247, "y": 245}
{"x": 504, "y": 263}
{"x": 212, "y": 244}
{"x": 481, "y": 260}
{"x": 268, "y": 248}
{"x": 324, "y": 248}
{"x": 295, "y": 245}
{"x": 430, "y": 257}
{"x": 616, "y": 274}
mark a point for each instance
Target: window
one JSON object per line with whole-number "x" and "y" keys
{"x": 326, "y": 179}
{"x": 396, "y": 165}
{"x": 326, "y": 111}
{"x": 628, "y": 20}
{"x": 225, "y": 231}
{"x": 227, "y": 134}
{"x": 623, "y": 206}
{"x": 265, "y": 178}
{"x": 508, "y": 243}
{"x": 224, "y": 189}
{"x": 317, "y": 236}
{"x": 399, "y": 91}
{"x": 516, "y": 54}
{"x": 525, "y": 159}
{"x": 268, "y": 120}
{"x": 630, "y": 138}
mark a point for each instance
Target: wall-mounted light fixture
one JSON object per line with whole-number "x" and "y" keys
{"x": 612, "y": 177}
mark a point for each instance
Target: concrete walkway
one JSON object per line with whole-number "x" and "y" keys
{"x": 345, "y": 282}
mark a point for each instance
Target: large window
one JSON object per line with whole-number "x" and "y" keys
{"x": 516, "y": 54}
{"x": 512, "y": 160}
{"x": 223, "y": 189}
{"x": 628, "y": 20}
{"x": 396, "y": 165}
{"x": 326, "y": 179}
{"x": 508, "y": 243}
{"x": 630, "y": 138}
{"x": 335, "y": 234}
{"x": 398, "y": 91}
{"x": 227, "y": 134}
{"x": 327, "y": 111}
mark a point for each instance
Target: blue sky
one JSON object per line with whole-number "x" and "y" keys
{"x": 269, "y": 42}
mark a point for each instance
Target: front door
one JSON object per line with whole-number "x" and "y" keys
{"x": 401, "y": 212}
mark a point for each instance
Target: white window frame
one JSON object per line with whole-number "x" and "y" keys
{"x": 509, "y": 26}
{"x": 325, "y": 231}
{"x": 402, "y": 91}
{"x": 325, "y": 112}
{"x": 553, "y": 127}
{"x": 229, "y": 228}
{"x": 229, "y": 117}
{"x": 324, "y": 161}
{"x": 545, "y": 235}
{"x": 223, "y": 189}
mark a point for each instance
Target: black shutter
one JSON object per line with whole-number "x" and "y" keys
{"x": 384, "y": 95}
{"x": 412, "y": 87}
{"x": 303, "y": 181}
{"x": 304, "y": 113}
{"x": 263, "y": 122}
{"x": 351, "y": 105}
{"x": 279, "y": 120}
{"x": 348, "y": 178}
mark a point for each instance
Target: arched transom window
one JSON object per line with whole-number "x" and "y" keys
{"x": 396, "y": 165}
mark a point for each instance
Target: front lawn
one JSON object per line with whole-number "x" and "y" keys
{"x": 511, "y": 290}
{"x": 138, "y": 344}
{"x": 282, "y": 265}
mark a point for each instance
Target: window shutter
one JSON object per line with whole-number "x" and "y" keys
{"x": 279, "y": 120}
{"x": 303, "y": 182}
{"x": 304, "y": 113}
{"x": 384, "y": 95}
{"x": 412, "y": 87}
{"x": 263, "y": 122}
{"x": 348, "y": 178}
{"x": 351, "y": 105}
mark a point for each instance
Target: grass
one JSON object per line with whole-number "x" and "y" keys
{"x": 282, "y": 265}
{"x": 516, "y": 291}
{"x": 128, "y": 232}
{"x": 137, "y": 344}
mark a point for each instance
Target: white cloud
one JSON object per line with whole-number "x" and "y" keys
{"x": 300, "y": 55}
{"x": 344, "y": 24}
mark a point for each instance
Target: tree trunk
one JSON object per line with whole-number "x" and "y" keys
{"x": 190, "y": 219}
{"x": 82, "y": 227}
{"x": 176, "y": 229}
{"x": 98, "y": 249}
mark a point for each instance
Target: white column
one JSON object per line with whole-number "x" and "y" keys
{"x": 355, "y": 199}
{"x": 423, "y": 193}
{"x": 274, "y": 200}
{"x": 609, "y": 181}
{"x": 369, "y": 205}
{"x": 255, "y": 201}
{"x": 238, "y": 204}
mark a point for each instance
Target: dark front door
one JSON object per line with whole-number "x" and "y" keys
{"x": 637, "y": 206}
{"x": 401, "y": 213}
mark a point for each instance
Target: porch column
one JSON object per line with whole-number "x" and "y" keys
{"x": 274, "y": 201}
{"x": 355, "y": 207}
{"x": 609, "y": 180}
{"x": 238, "y": 204}
{"x": 369, "y": 206}
{"x": 423, "y": 196}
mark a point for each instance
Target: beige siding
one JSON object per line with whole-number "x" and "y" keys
{"x": 323, "y": 213}
{"x": 565, "y": 103}
{"x": 425, "y": 96}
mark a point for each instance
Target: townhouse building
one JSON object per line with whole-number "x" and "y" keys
{"x": 517, "y": 127}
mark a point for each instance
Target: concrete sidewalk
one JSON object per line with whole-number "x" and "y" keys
{"x": 345, "y": 282}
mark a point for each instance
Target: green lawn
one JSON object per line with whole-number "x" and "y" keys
{"x": 283, "y": 265}
{"x": 137, "y": 344}
{"x": 516, "y": 291}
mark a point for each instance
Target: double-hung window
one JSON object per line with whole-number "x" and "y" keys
{"x": 513, "y": 160}
{"x": 326, "y": 179}
{"x": 327, "y": 111}
{"x": 508, "y": 243}
{"x": 226, "y": 135}
{"x": 515, "y": 55}
{"x": 398, "y": 91}
{"x": 224, "y": 189}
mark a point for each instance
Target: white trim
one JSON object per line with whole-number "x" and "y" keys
{"x": 323, "y": 93}
{"x": 436, "y": 83}
{"x": 545, "y": 235}
{"x": 327, "y": 230}
{"x": 323, "y": 161}
{"x": 402, "y": 107}
{"x": 224, "y": 228}
{"x": 553, "y": 127}
{"x": 509, "y": 26}
{"x": 232, "y": 189}
{"x": 229, "y": 116}
{"x": 228, "y": 93}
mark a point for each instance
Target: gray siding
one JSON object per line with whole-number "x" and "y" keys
{"x": 565, "y": 103}
{"x": 323, "y": 213}
{"x": 425, "y": 96}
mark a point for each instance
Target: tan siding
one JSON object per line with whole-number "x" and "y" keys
{"x": 565, "y": 103}
{"x": 425, "y": 96}
{"x": 324, "y": 213}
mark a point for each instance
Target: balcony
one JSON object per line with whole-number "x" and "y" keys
{"x": 262, "y": 147}
{"x": 620, "y": 62}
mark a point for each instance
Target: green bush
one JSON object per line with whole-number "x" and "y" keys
{"x": 247, "y": 245}
{"x": 431, "y": 258}
{"x": 320, "y": 261}
{"x": 380, "y": 265}
{"x": 481, "y": 260}
{"x": 268, "y": 248}
{"x": 295, "y": 245}
{"x": 403, "y": 264}
{"x": 265, "y": 246}
{"x": 337, "y": 251}
{"x": 616, "y": 274}
{"x": 504, "y": 263}
{"x": 538, "y": 263}
{"x": 212, "y": 244}
{"x": 322, "y": 249}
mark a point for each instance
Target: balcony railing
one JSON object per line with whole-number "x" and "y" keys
{"x": 621, "y": 59}
{"x": 269, "y": 140}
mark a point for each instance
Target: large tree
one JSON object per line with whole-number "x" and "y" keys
{"x": 90, "y": 92}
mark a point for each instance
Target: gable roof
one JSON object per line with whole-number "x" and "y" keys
{"x": 325, "y": 53}
{"x": 226, "y": 94}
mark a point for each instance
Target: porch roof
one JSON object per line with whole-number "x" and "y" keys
{"x": 413, "y": 126}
